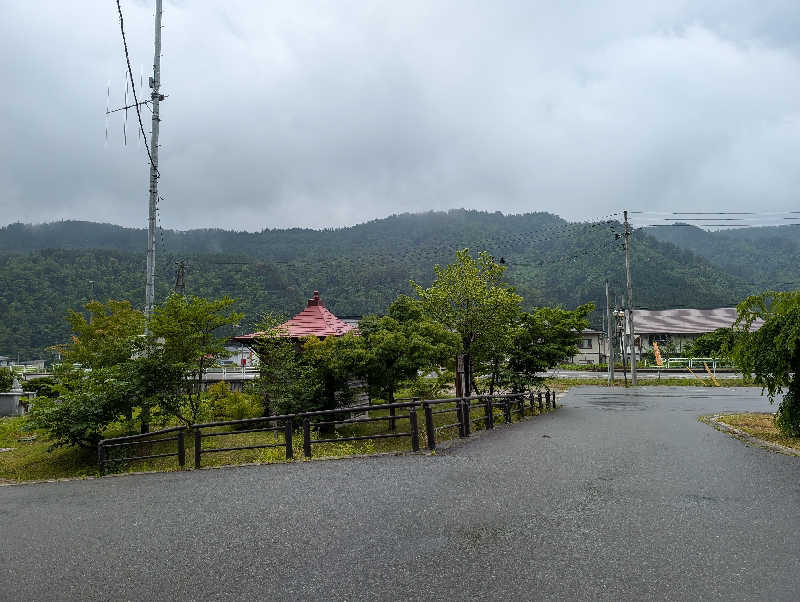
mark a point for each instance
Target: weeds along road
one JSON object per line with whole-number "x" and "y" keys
{"x": 620, "y": 495}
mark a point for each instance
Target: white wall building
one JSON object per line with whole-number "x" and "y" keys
{"x": 591, "y": 348}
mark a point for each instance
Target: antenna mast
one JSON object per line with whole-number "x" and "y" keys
{"x": 155, "y": 97}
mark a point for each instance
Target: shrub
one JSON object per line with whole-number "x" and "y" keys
{"x": 43, "y": 387}
{"x": 220, "y": 403}
{"x": 6, "y": 379}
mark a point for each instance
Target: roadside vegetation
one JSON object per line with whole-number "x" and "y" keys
{"x": 124, "y": 373}
{"x": 33, "y": 458}
{"x": 760, "y": 426}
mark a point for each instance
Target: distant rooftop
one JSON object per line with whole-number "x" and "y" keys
{"x": 685, "y": 321}
{"x": 314, "y": 320}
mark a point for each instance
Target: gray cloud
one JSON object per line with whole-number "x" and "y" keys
{"x": 331, "y": 113}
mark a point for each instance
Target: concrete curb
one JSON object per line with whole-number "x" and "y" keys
{"x": 714, "y": 422}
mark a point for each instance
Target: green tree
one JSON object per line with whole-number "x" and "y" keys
{"x": 333, "y": 362}
{"x": 6, "y": 379}
{"x": 186, "y": 329}
{"x": 470, "y": 298}
{"x": 546, "y": 337}
{"x": 95, "y": 385}
{"x": 84, "y": 405}
{"x": 107, "y": 338}
{"x": 772, "y": 352}
{"x": 398, "y": 346}
{"x": 717, "y": 343}
{"x": 286, "y": 381}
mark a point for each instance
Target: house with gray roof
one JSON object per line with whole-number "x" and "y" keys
{"x": 680, "y": 326}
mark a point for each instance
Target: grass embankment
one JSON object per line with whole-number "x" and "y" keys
{"x": 30, "y": 459}
{"x": 760, "y": 426}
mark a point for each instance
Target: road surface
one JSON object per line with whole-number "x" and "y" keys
{"x": 620, "y": 495}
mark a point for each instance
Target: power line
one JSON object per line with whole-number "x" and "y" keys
{"x": 133, "y": 87}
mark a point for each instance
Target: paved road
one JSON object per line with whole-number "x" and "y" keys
{"x": 615, "y": 496}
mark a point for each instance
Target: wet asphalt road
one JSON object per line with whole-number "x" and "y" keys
{"x": 615, "y": 496}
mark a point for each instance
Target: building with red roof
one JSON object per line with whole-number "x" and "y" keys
{"x": 315, "y": 320}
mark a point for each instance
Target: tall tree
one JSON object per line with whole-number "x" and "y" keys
{"x": 470, "y": 297}
{"x": 106, "y": 338}
{"x": 285, "y": 380}
{"x": 187, "y": 331}
{"x": 546, "y": 337}
{"x": 400, "y": 345}
{"x": 334, "y": 361}
{"x": 772, "y": 352}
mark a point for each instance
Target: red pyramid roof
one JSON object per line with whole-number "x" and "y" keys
{"x": 314, "y": 320}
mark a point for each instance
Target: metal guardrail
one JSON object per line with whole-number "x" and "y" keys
{"x": 463, "y": 409}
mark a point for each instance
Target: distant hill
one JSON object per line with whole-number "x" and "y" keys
{"x": 46, "y": 269}
{"x": 765, "y": 257}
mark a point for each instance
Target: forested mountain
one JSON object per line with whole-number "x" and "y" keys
{"x": 765, "y": 257}
{"x": 47, "y": 269}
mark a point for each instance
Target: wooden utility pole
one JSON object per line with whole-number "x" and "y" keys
{"x": 632, "y": 341}
{"x": 610, "y": 346}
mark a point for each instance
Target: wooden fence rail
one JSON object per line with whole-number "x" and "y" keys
{"x": 461, "y": 408}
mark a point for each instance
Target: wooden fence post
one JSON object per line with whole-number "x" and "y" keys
{"x": 429, "y": 428}
{"x": 287, "y": 438}
{"x": 465, "y": 412}
{"x": 181, "y": 449}
{"x": 412, "y": 418}
{"x": 392, "y": 425}
{"x": 521, "y": 407}
{"x": 541, "y": 404}
{"x": 101, "y": 458}
{"x": 306, "y": 438}
{"x": 533, "y": 403}
{"x": 507, "y": 410}
{"x": 459, "y": 415}
{"x": 554, "y": 400}
{"x": 198, "y": 447}
{"x": 489, "y": 414}
{"x": 547, "y": 400}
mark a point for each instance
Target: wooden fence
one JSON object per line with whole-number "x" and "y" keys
{"x": 468, "y": 414}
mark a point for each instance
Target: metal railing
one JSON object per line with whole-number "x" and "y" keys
{"x": 469, "y": 414}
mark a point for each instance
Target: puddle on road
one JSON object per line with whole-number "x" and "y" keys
{"x": 616, "y": 403}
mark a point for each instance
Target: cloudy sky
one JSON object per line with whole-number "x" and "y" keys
{"x": 314, "y": 113}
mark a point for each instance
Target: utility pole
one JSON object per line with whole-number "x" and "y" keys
{"x": 180, "y": 278}
{"x": 619, "y": 323}
{"x": 630, "y": 298}
{"x": 610, "y": 346}
{"x": 155, "y": 98}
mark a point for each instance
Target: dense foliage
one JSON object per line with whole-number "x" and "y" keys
{"x": 544, "y": 338}
{"x": 6, "y": 379}
{"x": 401, "y": 345}
{"x": 772, "y": 353}
{"x": 718, "y": 343}
{"x": 114, "y": 367}
{"x": 46, "y": 270}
